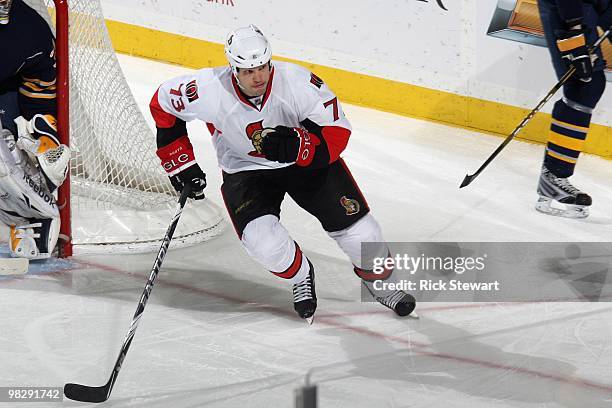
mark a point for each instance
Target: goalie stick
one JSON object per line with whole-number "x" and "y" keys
{"x": 470, "y": 177}
{"x": 85, "y": 393}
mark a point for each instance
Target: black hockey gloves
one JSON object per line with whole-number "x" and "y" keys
{"x": 574, "y": 51}
{"x": 178, "y": 159}
{"x": 193, "y": 176}
{"x": 287, "y": 145}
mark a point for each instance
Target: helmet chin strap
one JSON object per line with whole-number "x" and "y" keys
{"x": 235, "y": 73}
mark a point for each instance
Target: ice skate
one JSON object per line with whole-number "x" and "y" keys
{"x": 560, "y": 198}
{"x": 304, "y": 296}
{"x": 400, "y": 302}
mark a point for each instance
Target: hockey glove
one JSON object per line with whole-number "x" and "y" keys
{"x": 178, "y": 160}
{"x": 573, "y": 47}
{"x": 39, "y": 134}
{"x": 38, "y": 138}
{"x": 287, "y": 145}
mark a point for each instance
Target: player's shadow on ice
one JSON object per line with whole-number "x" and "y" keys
{"x": 206, "y": 289}
{"x": 583, "y": 269}
{"x": 457, "y": 360}
{"x": 219, "y": 279}
{"x": 262, "y": 391}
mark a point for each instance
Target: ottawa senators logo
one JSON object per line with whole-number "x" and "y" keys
{"x": 253, "y": 132}
{"x": 191, "y": 91}
{"x": 351, "y": 206}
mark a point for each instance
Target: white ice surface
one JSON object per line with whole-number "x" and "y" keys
{"x": 220, "y": 331}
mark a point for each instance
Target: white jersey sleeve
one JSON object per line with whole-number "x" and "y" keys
{"x": 319, "y": 113}
{"x": 182, "y": 97}
{"x": 316, "y": 101}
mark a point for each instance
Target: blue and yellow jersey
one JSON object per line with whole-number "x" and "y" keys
{"x": 27, "y": 51}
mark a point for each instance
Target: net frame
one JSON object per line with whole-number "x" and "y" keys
{"x": 103, "y": 186}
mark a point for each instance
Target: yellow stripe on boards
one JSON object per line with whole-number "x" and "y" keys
{"x": 363, "y": 90}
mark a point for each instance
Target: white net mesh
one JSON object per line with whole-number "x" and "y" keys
{"x": 118, "y": 186}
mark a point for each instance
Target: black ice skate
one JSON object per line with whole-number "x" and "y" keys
{"x": 559, "y": 197}
{"x": 304, "y": 296}
{"x": 400, "y": 302}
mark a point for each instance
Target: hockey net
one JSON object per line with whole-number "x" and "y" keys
{"x": 120, "y": 199}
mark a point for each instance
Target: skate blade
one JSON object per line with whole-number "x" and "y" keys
{"x": 309, "y": 320}
{"x": 414, "y": 316}
{"x": 545, "y": 206}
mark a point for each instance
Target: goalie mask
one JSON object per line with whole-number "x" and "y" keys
{"x": 5, "y": 7}
{"x": 246, "y": 48}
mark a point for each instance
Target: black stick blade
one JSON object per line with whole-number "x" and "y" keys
{"x": 85, "y": 393}
{"x": 466, "y": 181}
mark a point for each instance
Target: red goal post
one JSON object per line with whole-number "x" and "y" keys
{"x": 63, "y": 118}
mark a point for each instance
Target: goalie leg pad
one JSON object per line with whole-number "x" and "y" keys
{"x": 22, "y": 243}
{"x": 35, "y": 240}
{"x": 268, "y": 242}
{"x": 22, "y": 187}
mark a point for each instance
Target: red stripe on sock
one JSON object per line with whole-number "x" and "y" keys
{"x": 294, "y": 267}
{"x": 371, "y": 276}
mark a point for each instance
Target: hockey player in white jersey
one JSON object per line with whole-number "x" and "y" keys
{"x": 277, "y": 129}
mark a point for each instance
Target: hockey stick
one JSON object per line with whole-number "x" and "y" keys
{"x": 86, "y": 393}
{"x": 470, "y": 177}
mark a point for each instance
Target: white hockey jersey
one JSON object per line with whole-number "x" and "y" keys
{"x": 212, "y": 95}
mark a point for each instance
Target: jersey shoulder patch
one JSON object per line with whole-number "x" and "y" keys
{"x": 301, "y": 75}
{"x": 316, "y": 81}
{"x": 183, "y": 94}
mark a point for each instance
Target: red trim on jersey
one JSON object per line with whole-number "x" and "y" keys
{"x": 348, "y": 172}
{"x": 230, "y": 213}
{"x": 211, "y": 128}
{"x": 241, "y": 96}
{"x": 268, "y": 88}
{"x": 336, "y": 138}
{"x": 245, "y": 99}
{"x": 293, "y": 269}
{"x": 162, "y": 118}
